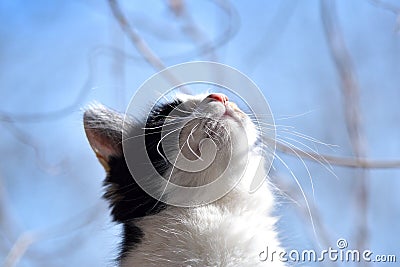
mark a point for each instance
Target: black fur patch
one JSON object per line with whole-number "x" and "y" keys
{"x": 153, "y": 133}
{"x": 128, "y": 201}
{"x": 132, "y": 237}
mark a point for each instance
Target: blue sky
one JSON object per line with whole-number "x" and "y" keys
{"x": 51, "y": 51}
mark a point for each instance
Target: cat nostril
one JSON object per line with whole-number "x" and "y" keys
{"x": 219, "y": 97}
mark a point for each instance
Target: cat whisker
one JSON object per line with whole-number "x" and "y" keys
{"x": 302, "y": 193}
{"x": 133, "y": 136}
{"x": 188, "y": 144}
{"x": 161, "y": 126}
{"x": 170, "y": 174}
{"x": 264, "y": 115}
{"x": 215, "y": 133}
{"x": 325, "y": 163}
{"x": 180, "y": 110}
{"x": 168, "y": 117}
{"x": 304, "y": 164}
{"x": 162, "y": 138}
{"x": 288, "y": 117}
{"x": 168, "y": 101}
{"x": 311, "y": 139}
{"x": 274, "y": 126}
{"x": 281, "y": 192}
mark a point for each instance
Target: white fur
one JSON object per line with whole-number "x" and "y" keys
{"x": 231, "y": 231}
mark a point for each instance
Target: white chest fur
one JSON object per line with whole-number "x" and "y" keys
{"x": 229, "y": 232}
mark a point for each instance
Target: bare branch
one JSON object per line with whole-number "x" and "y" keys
{"x": 206, "y": 46}
{"x": 9, "y": 225}
{"x": 23, "y": 137}
{"x": 272, "y": 33}
{"x": 190, "y": 28}
{"x": 140, "y": 43}
{"x": 150, "y": 56}
{"x": 19, "y": 248}
{"x": 340, "y": 161}
{"x": 293, "y": 193}
{"x": 351, "y": 97}
{"x": 28, "y": 238}
{"x": 59, "y": 113}
{"x": 135, "y": 38}
{"x": 386, "y": 6}
{"x": 389, "y": 7}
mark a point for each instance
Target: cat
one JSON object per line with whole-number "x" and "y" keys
{"x": 232, "y": 230}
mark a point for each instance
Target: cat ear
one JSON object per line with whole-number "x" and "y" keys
{"x": 103, "y": 128}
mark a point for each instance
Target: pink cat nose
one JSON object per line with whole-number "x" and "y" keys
{"x": 219, "y": 97}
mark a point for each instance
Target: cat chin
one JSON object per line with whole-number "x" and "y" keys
{"x": 235, "y": 173}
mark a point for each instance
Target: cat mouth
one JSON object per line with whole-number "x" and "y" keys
{"x": 232, "y": 112}
{"x": 229, "y": 113}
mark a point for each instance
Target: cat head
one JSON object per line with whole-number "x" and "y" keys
{"x": 190, "y": 141}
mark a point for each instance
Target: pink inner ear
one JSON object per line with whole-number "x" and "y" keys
{"x": 101, "y": 145}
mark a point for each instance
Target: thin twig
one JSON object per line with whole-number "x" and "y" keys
{"x": 28, "y": 238}
{"x": 206, "y": 46}
{"x": 118, "y": 67}
{"x": 9, "y": 225}
{"x": 190, "y": 28}
{"x": 272, "y": 34}
{"x": 135, "y": 38}
{"x": 19, "y": 248}
{"x": 389, "y": 7}
{"x": 386, "y": 6}
{"x": 61, "y": 112}
{"x": 26, "y": 139}
{"x": 140, "y": 43}
{"x": 292, "y": 192}
{"x": 340, "y": 161}
{"x": 351, "y": 97}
